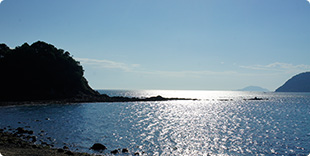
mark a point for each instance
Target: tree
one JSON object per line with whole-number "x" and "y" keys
{"x": 40, "y": 72}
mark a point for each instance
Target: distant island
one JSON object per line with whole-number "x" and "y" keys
{"x": 254, "y": 89}
{"x": 298, "y": 83}
{"x": 41, "y": 73}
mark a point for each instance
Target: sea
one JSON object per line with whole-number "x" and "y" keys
{"x": 217, "y": 123}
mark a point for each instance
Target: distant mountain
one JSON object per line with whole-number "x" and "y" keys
{"x": 298, "y": 83}
{"x": 254, "y": 88}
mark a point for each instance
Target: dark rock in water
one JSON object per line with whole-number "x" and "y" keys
{"x": 157, "y": 98}
{"x": 21, "y": 130}
{"x": 98, "y": 146}
{"x": 33, "y": 138}
{"x": 298, "y": 83}
{"x": 256, "y": 98}
{"x": 137, "y": 153}
{"x": 30, "y": 132}
{"x": 60, "y": 150}
{"x": 114, "y": 151}
{"x": 125, "y": 150}
{"x": 66, "y": 147}
{"x": 69, "y": 153}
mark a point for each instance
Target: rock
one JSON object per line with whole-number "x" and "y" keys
{"x": 15, "y": 135}
{"x": 69, "y": 153}
{"x": 98, "y": 146}
{"x": 34, "y": 146}
{"x": 21, "y": 130}
{"x": 137, "y": 153}
{"x": 34, "y": 138}
{"x": 256, "y": 98}
{"x": 125, "y": 150}
{"x": 65, "y": 147}
{"x": 60, "y": 150}
{"x": 30, "y": 132}
{"x": 114, "y": 151}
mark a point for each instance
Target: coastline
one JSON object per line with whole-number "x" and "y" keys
{"x": 12, "y": 144}
{"x": 88, "y": 98}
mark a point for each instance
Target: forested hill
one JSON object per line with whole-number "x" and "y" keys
{"x": 298, "y": 83}
{"x": 40, "y": 72}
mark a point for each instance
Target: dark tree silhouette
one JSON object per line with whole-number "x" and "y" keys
{"x": 40, "y": 72}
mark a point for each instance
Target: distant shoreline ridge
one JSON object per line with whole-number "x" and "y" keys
{"x": 90, "y": 99}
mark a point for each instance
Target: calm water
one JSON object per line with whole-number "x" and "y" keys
{"x": 220, "y": 123}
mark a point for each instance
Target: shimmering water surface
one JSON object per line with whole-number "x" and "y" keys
{"x": 221, "y": 123}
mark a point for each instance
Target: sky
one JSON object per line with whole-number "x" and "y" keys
{"x": 169, "y": 44}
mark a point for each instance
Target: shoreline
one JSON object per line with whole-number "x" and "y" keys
{"x": 12, "y": 144}
{"x": 24, "y": 141}
{"x": 103, "y": 98}
{"x": 88, "y": 98}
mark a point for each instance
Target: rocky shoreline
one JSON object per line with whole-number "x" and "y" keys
{"x": 23, "y": 141}
{"x": 105, "y": 98}
{"x": 83, "y": 98}
{"x": 15, "y": 144}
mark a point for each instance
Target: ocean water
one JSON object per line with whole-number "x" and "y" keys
{"x": 220, "y": 123}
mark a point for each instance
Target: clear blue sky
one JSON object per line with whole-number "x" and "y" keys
{"x": 169, "y": 44}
